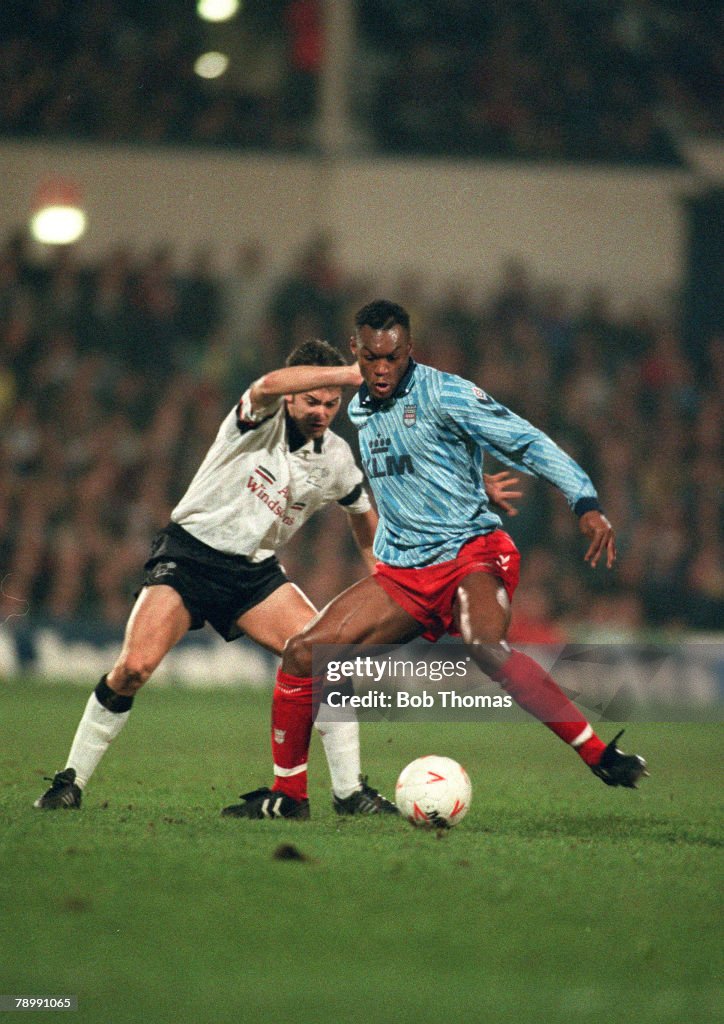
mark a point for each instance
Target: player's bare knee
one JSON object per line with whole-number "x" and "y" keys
{"x": 298, "y": 655}
{"x": 129, "y": 675}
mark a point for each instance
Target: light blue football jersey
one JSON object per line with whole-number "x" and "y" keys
{"x": 422, "y": 451}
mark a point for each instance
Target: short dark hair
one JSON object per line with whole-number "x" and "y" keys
{"x": 381, "y": 315}
{"x": 315, "y": 353}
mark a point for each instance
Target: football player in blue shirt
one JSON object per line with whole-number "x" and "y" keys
{"x": 444, "y": 563}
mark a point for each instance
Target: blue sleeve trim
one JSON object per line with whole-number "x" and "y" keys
{"x": 584, "y": 505}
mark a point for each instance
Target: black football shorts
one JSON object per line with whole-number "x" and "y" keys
{"x": 215, "y": 587}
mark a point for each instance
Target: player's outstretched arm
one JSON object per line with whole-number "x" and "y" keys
{"x": 290, "y": 380}
{"x": 599, "y": 532}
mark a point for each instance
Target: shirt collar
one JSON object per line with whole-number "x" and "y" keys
{"x": 404, "y": 387}
{"x": 297, "y": 439}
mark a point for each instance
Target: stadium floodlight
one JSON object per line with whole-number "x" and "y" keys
{"x": 217, "y": 10}
{"x": 58, "y": 225}
{"x": 211, "y": 64}
{"x": 58, "y": 217}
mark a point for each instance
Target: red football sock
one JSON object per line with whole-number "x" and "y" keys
{"x": 292, "y": 716}
{"x": 533, "y": 689}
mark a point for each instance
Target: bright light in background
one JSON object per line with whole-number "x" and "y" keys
{"x": 217, "y": 10}
{"x": 58, "y": 225}
{"x": 211, "y": 64}
{"x": 58, "y": 217}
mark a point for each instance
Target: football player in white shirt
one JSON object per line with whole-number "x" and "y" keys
{"x": 273, "y": 463}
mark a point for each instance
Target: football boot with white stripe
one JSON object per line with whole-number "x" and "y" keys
{"x": 267, "y": 803}
{"x": 618, "y": 769}
{"x": 364, "y": 800}
{"x": 62, "y": 793}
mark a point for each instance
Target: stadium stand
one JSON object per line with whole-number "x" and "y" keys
{"x": 534, "y": 79}
{"x": 115, "y": 375}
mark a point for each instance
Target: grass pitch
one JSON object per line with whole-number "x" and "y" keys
{"x": 556, "y": 900}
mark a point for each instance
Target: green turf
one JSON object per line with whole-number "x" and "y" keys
{"x": 556, "y": 900}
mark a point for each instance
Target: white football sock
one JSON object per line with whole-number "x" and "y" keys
{"x": 96, "y": 729}
{"x": 340, "y": 740}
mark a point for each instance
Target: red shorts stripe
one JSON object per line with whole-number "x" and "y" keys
{"x": 428, "y": 593}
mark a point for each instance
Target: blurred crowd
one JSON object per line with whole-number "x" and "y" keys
{"x": 114, "y": 377}
{"x": 620, "y": 80}
{"x": 124, "y": 71}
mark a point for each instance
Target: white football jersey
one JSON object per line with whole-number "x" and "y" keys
{"x": 251, "y": 493}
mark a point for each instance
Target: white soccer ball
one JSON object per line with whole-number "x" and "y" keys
{"x": 433, "y": 792}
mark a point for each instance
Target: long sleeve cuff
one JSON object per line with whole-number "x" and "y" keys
{"x": 584, "y": 505}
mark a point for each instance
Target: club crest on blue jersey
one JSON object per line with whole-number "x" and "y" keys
{"x": 409, "y": 415}
{"x": 479, "y": 394}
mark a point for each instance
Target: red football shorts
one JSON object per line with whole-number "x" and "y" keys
{"x": 428, "y": 593}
